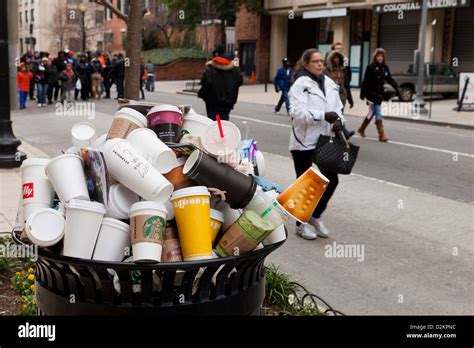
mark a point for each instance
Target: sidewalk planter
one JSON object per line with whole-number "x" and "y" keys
{"x": 72, "y": 286}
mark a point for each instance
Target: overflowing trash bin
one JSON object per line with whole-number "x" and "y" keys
{"x": 167, "y": 213}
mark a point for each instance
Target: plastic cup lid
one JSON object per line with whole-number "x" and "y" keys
{"x": 169, "y": 208}
{"x": 190, "y": 191}
{"x": 80, "y": 204}
{"x": 148, "y": 205}
{"x": 217, "y": 215}
{"x": 122, "y": 197}
{"x": 117, "y": 224}
{"x": 83, "y": 130}
{"x": 133, "y": 113}
{"x": 35, "y": 162}
{"x": 198, "y": 118}
{"x": 99, "y": 141}
{"x": 164, "y": 107}
{"x": 136, "y": 132}
{"x": 214, "y": 144}
{"x": 45, "y": 227}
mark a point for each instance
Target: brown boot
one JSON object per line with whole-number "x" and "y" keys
{"x": 382, "y": 136}
{"x": 363, "y": 126}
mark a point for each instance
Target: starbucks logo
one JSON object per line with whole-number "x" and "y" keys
{"x": 154, "y": 228}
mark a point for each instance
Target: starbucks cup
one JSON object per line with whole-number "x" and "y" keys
{"x": 83, "y": 134}
{"x": 195, "y": 124}
{"x": 176, "y": 176}
{"x": 131, "y": 169}
{"x": 206, "y": 171}
{"x": 114, "y": 237}
{"x": 66, "y": 175}
{"x": 83, "y": 222}
{"x": 193, "y": 217}
{"x": 45, "y": 227}
{"x": 165, "y": 121}
{"x": 99, "y": 141}
{"x": 125, "y": 121}
{"x": 217, "y": 219}
{"x": 224, "y": 149}
{"x": 147, "y": 228}
{"x": 37, "y": 190}
{"x": 120, "y": 201}
{"x": 148, "y": 145}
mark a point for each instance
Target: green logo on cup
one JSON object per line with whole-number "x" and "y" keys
{"x": 154, "y": 228}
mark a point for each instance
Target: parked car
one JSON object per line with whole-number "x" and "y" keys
{"x": 445, "y": 82}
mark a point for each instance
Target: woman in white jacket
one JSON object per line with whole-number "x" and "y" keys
{"x": 316, "y": 109}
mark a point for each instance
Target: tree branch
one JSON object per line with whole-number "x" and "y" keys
{"x": 111, "y": 7}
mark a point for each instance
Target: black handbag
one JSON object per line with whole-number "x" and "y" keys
{"x": 334, "y": 154}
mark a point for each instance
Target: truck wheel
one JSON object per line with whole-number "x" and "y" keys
{"x": 406, "y": 94}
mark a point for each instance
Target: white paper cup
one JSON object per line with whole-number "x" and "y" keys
{"x": 120, "y": 201}
{"x": 147, "y": 222}
{"x": 131, "y": 169}
{"x": 37, "y": 190}
{"x": 114, "y": 237}
{"x": 83, "y": 221}
{"x": 83, "y": 134}
{"x": 125, "y": 121}
{"x": 147, "y": 144}
{"x": 195, "y": 124}
{"x": 260, "y": 160}
{"x": 169, "y": 210}
{"x": 45, "y": 227}
{"x": 230, "y": 215}
{"x": 66, "y": 175}
{"x": 99, "y": 141}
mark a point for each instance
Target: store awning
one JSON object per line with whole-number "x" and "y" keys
{"x": 333, "y": 12}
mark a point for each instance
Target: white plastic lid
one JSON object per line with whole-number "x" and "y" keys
{"x": 190, "y": 191}
{"x": 83, "y": 131}
{"x": 198, "y": 118}
{"x": 122, "y": 226}
{"x": 136, "y": 132}
{"x": 164, "y": 107}
{"x": 80, "y": 204}
{"x": 134, "y": 114}
{"x": 148, "y": 205}
{"x": 45, "y": 227}
{"x": 214, "y": 144}
{"x": 169, "y": 208}
{"x": 217, "y": 215}
{"x": 35, "y": 162}
{"x": 180, "y": 161}
{"x": 99, "y": 141}
{"x": 260, "y": 163}
{"x": 122, "y": 198}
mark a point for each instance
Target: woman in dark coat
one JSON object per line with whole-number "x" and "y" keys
{"x": 376, "y": 74}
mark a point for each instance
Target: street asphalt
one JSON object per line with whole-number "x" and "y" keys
{"x": 408, "y": 206}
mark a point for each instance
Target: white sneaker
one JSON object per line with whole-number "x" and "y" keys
{"x": 306, "y": 232}
{"x": 277, "y": 113}
{"x": 39, "y": 105}
{"x": 321, "y": 230}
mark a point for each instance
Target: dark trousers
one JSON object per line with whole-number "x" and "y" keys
{"x": 107, "y": 87}
{"x": 213, "y": 111}
{"x": 53, "y": 90}
{"x": 303, "y": 161}
{"x": 142, "y": 83}
{"x": 283, "y": 99}
{"x": 32, "y": 89}
{"x": 119, "y": 84}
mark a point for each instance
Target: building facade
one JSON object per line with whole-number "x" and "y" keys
{"x": 362, "y": 26}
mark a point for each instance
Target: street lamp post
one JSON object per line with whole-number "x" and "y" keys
{"x": 83, "y": 9}
{"x": 10, "y": 157}
{"x": 419, "y": 103}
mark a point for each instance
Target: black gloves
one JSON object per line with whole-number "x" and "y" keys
{"x": 277, "y": 89}
{"x": 331, "y": 117}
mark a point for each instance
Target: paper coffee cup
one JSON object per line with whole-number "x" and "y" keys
{"x": 148, "y": 145}
{"x": 114, "y": 237}
{"x": 171, "y": 245}
{"x": 45, "y": 227}
{"x": 176, "y": 176}
{"x": 276, "y": 236}
{"x": 147, "y": 228}
{"x": 99, "y": 141}
{"x": 230, "y": 215}
{"x": 165, "y": 121}
{"x": 128, "y": 167}
{"x": 83, "y": 134}
{"x": 195, "y": 124}
{"x": 83, "y": 221}
{"x": 66, "y": 175}
{"x": 260, "y": 164}
{"x": 37, "y": 190}
{"x": 120, "y": 201}
{"x": 193, "y": 217}
{"x": 125, "y": 121}
{"x": 217, "y": 219}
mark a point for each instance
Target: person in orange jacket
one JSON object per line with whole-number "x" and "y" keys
{"x": 23, "y": 79}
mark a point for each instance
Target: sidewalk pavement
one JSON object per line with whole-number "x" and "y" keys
{"x": 442, "y": 109}
{"x": 417, "y": 248}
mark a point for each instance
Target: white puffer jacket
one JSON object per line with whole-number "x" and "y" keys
{"x": 308, "y": 104}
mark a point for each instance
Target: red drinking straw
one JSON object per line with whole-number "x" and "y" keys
{"x": 219, "y": 124}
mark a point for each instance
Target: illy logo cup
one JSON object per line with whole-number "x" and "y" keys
{"x": 28, "y": 190}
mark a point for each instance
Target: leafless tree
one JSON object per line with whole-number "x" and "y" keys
{"x": 59, "y": 26}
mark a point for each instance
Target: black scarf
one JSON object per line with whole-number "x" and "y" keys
{"x": 319, "y": 80}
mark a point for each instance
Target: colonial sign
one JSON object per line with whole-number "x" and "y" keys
{"x": 416, "y": 5}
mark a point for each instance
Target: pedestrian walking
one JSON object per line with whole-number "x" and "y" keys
{"x": 23, "y": 79}
{"x": 220, "y": 84}
{"x": 282, "y": 82}
{"x": 41, "y": 80}
{"x": 372, "y": 89}
{"x": 83, "y": 72}
{"x": 150, "y": 82}
{"x": 315, "y": 109}
{"x": 96, "y": 77}
{"x": 337, "y": 46}
{"x": 52, "y": 76}
{"x": 66, "y": 79}
{"x": 118, "y": 75}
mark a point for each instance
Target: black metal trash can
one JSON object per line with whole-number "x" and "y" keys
{"x": 71, "y": 286}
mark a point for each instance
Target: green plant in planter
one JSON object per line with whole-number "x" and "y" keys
{"x": 23, "y": 283}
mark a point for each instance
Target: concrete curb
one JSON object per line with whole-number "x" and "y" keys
{"x": 187, "y": 93}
